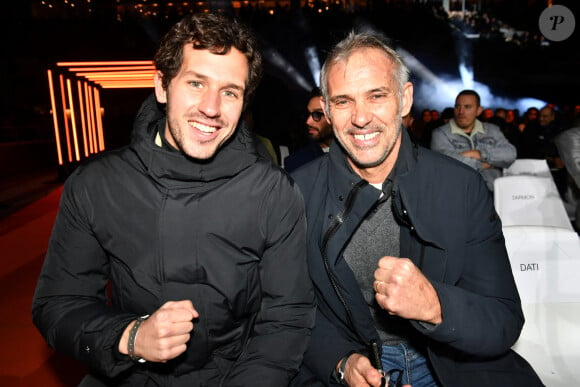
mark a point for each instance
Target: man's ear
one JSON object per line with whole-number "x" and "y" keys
{"x": 479, "y": 111}
{"x": 407, "y": 100}
{"x": 160, "y": 92}
{"x": 326, "y": 113}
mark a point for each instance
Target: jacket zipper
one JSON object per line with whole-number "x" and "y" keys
{"x": 334, "y": 226}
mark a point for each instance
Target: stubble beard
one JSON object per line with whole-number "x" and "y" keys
{"x": 388, "y": 149}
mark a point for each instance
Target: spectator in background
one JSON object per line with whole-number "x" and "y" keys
{"x": 525, "y": 143}
{"x": 435, "y": 116}
{"x": 446, "y": 115}
{"x": 482, "y": 146}
{"x": 486, "y": 115}
{"x": 511, "y": 116}
{"x": 538, "y": 143}
{"x": 319, "y": 133}
{"x": 408, "y": 120}
{"x": 207, "y": 268}
{"x": 509, "y": 130}
{"x": 529, "y": 118}
{"x": 568, "y": 144}
{"x": 420, "y": 130}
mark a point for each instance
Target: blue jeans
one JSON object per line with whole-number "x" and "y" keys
{"x": 414, "y": 366}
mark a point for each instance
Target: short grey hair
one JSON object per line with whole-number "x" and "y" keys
{"x": 357, "y": 41}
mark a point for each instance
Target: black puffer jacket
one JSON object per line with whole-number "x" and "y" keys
{"x": 228, "y": 234}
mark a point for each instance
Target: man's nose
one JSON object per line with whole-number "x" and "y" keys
{"x": 210, "y": 103}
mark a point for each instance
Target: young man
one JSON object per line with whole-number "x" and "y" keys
{"x": 207, "y": 270}
{"x": 481, "y": 145}
{"x": 319, "y": 133}
{"x": 405, "y": 248}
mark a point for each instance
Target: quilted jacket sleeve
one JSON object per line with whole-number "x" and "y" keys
{"x": 282, "y": 329}
{"x": 70, "y": 306}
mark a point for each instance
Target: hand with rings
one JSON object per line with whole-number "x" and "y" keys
{"x": 403, "y": 290}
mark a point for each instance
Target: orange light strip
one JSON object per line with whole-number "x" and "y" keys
{"x": 126, "y": 85}
{"x": 93, "y": 137}
{"x": 73, "y": 119}
{"x": 90, "y": 77}
{"x": 99, "y": 120}
{"x": 100, "y": 72}
{"x": 83, "y": 121}
{"x": 54, "y": 118}
{"x": 107, "y": 68}
{"x": 117, "y": 74}
{"x": 89, "y": 121}
{"x": 66, "y": 129}
{"x": 107, "y": 63}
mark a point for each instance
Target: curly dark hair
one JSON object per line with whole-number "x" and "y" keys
{"x": 212, "y": 32}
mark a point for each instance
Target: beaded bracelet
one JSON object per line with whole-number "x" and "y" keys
{"x": 132, "y": 337}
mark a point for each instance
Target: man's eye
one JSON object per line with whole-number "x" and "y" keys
{"x": 196, "y": 84}
{"x": 375, "y": 97}
{"x": 340, "y": 103}
{"x": 231, "y": 94}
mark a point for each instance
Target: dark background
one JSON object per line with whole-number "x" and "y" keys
{"x": 34, "y": 38}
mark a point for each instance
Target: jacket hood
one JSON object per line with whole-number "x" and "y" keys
{"x": 174, "y": 169}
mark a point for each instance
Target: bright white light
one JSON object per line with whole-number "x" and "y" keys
{"x": 431, "y": 96}
{"x": 278, "y": 60}
{"x": 313, "y": 63}
{"x": 466, "y": 76}
{"x": 439, "y": 91}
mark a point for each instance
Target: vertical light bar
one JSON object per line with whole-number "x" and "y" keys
{"x": 99, "y": 118}
{"x": 83, "y": 121}
{"x": 54, "y": 117}
{"x": 89, "y": 121}
{"x": 73, "y": 120}
{"x": 66, "y": 129}
{"x": 93, "y": 123}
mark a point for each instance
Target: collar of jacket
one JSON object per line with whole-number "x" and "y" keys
{"x": 477, "y": 128}
{"x": 174, "y": 169}
{"x": 342, "y": 178}
{"x": 405, "y": 191}
{"x": 411, "y": 189}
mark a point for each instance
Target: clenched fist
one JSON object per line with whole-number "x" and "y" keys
{"x": 402, "y": 290}
{"x": 163, "y": 336}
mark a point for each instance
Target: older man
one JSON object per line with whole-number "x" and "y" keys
{"x": 405, "y": 249}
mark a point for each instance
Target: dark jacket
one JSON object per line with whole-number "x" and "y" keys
{"x": 227, "y": 234}
{"x": 302, "y": 156}
{"x": 449, "y": 228}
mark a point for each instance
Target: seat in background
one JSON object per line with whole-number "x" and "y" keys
{"x": 544, "y": 253}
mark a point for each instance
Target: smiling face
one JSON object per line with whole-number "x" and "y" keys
{"x": 204, "y": 100}
{"x": 366, "y": 111}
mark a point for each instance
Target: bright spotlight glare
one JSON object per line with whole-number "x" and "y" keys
{"x": 313, "y": 63}
{"x": 438, "y": 92}
{"x": 466, "y": 76}
{"x": 431, "y": 96}
{"x": 278, "y": 60}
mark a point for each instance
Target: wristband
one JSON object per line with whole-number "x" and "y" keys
{"x": 132, "y": 337}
